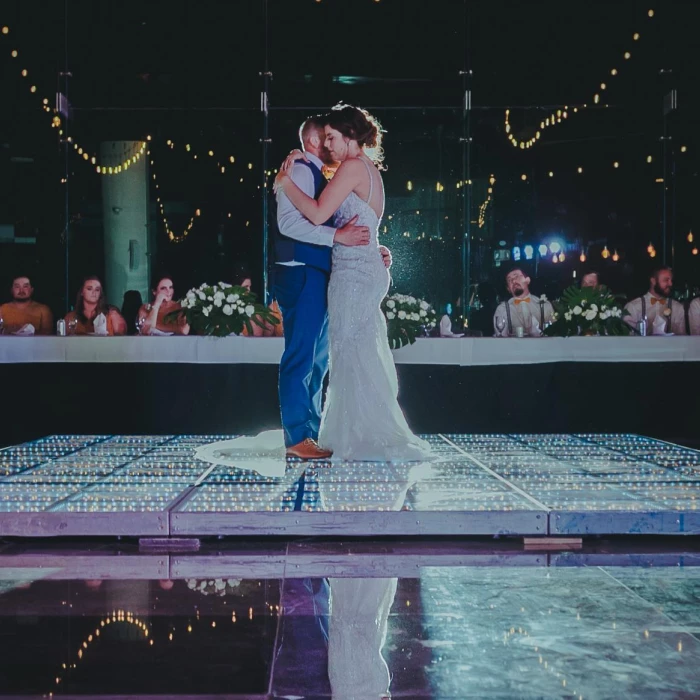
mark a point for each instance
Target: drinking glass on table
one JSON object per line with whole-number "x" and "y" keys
{"x": 500, "y": 325}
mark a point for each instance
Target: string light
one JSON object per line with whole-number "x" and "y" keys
{"x": 605, "y": 253}
{"x": 690, "y": 237}
{"x": 137, "y": 151}
{"x": 556, "y": 119}
{"x": 684, "y": 149}
{"x": 582, "y": 257}
{"x": 580, "y": 170}
{"x": 562, "y": 257}
{"x": 486, "y": 202}
{"x": 615, "y": 257}
{"x": 695, "y": 251}
{"x": 174, "y": 238}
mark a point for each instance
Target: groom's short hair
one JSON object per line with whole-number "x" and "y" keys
{"x": 316, "y": 123}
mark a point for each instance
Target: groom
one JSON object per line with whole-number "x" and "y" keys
{"x": 302, "y": 271}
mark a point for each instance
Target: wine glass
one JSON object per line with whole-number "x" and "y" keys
{"x": 71, "y": 326}
{"x": 500, "y": 325}
{"x": 140, "y": 321}
{"x": 2, "y": 324}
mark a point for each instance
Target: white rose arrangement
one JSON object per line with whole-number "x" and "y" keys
{"x": 222, "y": 309}
{"x": 218, "y": 586}
{"x": 588, "y": 311}
{"x": 407, "y": 318}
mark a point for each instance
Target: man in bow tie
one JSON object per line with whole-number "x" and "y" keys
{"x": 522, "y": 310}
{"x": 662, "y": 313}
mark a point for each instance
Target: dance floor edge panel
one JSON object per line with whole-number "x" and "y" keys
{"x": 477, "y": 485}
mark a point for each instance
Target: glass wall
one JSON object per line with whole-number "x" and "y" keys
{"x": 149, "y": 133}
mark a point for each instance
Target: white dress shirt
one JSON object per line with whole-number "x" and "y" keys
{"x": 694, "y": 316}
{"x": 446, "y": 328}
{"x": 677, "y": 324}
{"x": 525, "y": 315}
{"x": 291, "y": 222}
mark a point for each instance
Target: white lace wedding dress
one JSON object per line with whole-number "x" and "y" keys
{"x": 362, "y": 419}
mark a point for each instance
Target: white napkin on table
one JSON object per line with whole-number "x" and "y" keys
{"x": 100, "y": 325}
{"x": 26, "y": 329}
{"x": 155, "y": 331}
{"x": 535, "y": 331}
{"x": 659, "y": 326}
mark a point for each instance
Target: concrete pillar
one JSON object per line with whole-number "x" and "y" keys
{"x": 125, "y": 216}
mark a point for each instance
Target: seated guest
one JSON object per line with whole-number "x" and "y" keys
{"x": 590, "y": 279}
{"x": 130, "y": 309}
{"x": 522, "y": 310}
{"x": 152, "y": 317}
{"x": 663, "y": 314}
{"x": 268, "y": 330}
{"x": 23, "y": 313}
{"x": 694, "y": 316}
{"x": 446, "y": 324}
{"x": 92, "y": 314}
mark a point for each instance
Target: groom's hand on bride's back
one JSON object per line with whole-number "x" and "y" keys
{"x": 351, "y": 234}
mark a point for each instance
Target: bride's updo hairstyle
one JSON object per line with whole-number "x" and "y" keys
{"x": 359, "y": 125}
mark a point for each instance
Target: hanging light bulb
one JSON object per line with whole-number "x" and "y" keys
{"x": 650, "y": 247}
{"x": 555, "y": 259}
{"x": 690, "y": 237}
{"x": 562, "y": 257}
{"x": 582, "y": 257}
{"x": 409, "y": 185}
{"x": 652, "y": 254}
{"x": 695, "y": 251}
{"x": 615, "y": 257}
{"x": 605, "y": 253}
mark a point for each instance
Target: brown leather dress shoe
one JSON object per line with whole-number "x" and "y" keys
{"x": 308, "y": 449}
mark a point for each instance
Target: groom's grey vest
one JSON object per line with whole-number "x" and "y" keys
{"x": 287, "y": 249}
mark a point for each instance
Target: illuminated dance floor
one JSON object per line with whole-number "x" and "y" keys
{"x": 477, "y": 485}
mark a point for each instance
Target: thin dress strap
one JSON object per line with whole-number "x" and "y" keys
{"x": 371, "y": 180}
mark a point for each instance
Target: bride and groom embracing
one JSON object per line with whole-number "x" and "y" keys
{"x": 330, "y": 278}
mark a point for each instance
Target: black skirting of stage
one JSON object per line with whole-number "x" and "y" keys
{"x": 655, "y": 399}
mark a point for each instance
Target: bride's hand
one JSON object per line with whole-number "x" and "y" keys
{"x": 289, "y": 161}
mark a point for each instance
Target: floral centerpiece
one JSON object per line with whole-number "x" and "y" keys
{"x": 407, "y": 318}
{"x": 223, "y": 309}
{"x": 218, "y": 586}
{"x": 588, "y": 311}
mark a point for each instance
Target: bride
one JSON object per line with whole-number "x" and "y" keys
{"x": 362, "y": 419}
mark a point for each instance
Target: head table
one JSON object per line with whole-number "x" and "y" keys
{"x": 204, "y": 385}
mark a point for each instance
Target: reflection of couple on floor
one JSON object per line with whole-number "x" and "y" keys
{"x": 333, "y": 630}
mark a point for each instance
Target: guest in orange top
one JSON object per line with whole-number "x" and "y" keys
{"x": 91, "y": 308}
{"x": 23, "y": 310}
{"x": 152, "y": 316}
{"x": 269, "y": 330}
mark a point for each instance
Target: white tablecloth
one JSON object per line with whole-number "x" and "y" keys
{"x": 426, "y": 351}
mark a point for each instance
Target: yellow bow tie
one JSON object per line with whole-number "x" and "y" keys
{"x": 654, "y": 300}
{"x": 328, "y": 172}
{"x": 526, "y": 300}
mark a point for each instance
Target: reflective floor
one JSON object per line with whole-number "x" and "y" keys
{"x": 475, "y": 485}
{"x": 321, "y": 619}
